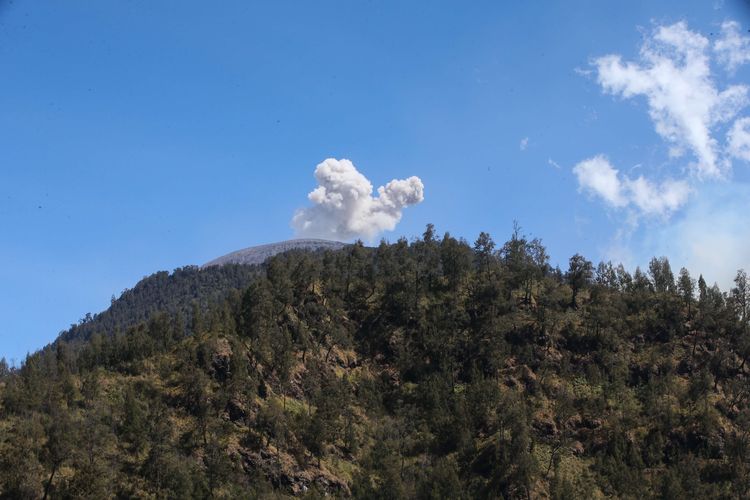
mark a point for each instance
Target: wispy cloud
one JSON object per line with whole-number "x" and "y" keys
{"x": 739, "y": 139}
{"x": 523, "y": 144}
{"x": 732, "y": 48}
{"x": 696, "y": 213}
{"x": 674, "y": 75}
{"x": 597, "y": 176}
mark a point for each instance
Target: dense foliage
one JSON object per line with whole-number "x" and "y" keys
{"x": 430, "y": 369}
{"x": 176, "y": 294}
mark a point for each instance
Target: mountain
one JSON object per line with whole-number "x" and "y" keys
{"x": 261, "y": 253}
{"x": 178, "y": 293}
{"x": 427, "y": 369}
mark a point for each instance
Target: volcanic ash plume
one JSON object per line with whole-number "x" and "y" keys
{"x": 344, "y": 208}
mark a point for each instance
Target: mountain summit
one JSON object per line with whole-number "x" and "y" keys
{"x": 259, "y": 254}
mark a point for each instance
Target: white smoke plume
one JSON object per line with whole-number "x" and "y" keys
{"x": 344, "y": 208}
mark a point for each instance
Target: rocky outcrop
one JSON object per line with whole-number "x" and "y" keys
{"x": 261, "y": 253}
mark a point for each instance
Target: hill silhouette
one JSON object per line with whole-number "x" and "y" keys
{"x": 430, "y": 369}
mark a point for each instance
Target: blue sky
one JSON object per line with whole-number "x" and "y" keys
{"x": 137, "y": 136}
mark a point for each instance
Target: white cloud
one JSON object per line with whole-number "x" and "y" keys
{"x": 732, "y": 49}
{"x": 553, "y": 163}
{"x": 684, "y": 103}
{"x": 663, "y": 199}
{"x": 597, "y": 176}
{"x": 739, "y": 139}
{"x": 697, "y": 215}
{"x": 523, "y": 144}
{"x": 344, "y": 208}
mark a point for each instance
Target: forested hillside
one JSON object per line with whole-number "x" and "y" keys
{"x": 425, "y": 369}
{"x": 177, "y": 294}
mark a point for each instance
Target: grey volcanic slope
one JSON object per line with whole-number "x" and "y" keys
{"x": 259, "y": 254}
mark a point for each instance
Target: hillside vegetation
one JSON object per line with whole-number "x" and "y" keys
{"x": 431, "y": 369}
{"x": 177, "y": 294}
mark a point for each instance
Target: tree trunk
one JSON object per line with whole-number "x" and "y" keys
{"x": 695, "y": 344}
{"x": 49, "y": 483}
{"x": 329, "y": 351}
{"x": 553, "y": 452}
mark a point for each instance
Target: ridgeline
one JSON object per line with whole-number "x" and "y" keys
{"x": 430, "y": 369}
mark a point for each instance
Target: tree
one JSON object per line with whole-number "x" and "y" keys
{"x": 283, "y": 358}
{"x": 455, "y": 260}
{"x": 60, "y": 442}
{"x": 686, "y": 288}
{"x": 579, "y": 275}
{"x": 21, "y": 472}
{"x": 606, "y": 275}
{"x": 741, "y": 304}
{"x": 484, "y": 248}
{"x": 134, "y": 426}
{"x": 272, "y": 421}
{"x": 741, "y": 297}
{"x": 196, "y": 397}
{"x": 702, "y": 290}
{"x": 527, "y": 261}
{"x": 661, "y": 274}
{"x": 624, "y": 279}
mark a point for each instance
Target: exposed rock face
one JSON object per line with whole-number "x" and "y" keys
{"x": 259, "y": 254}
{"x": 284, "y": 472}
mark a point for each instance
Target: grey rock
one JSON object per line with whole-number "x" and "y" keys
{"x": 261, "y": 253}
